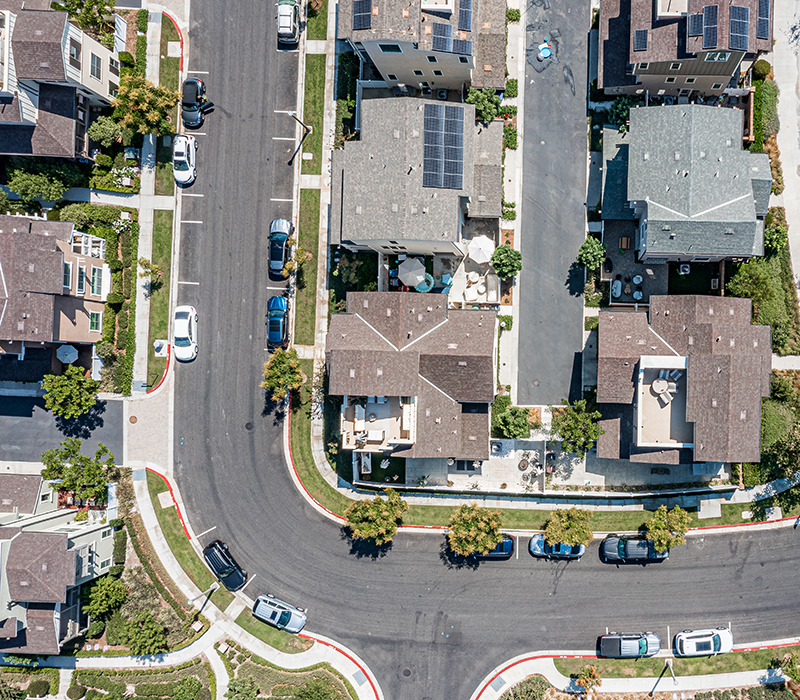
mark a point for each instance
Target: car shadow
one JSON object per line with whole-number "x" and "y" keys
{"x": 364, "y": 549}
{"x": 83, "y": 426}
{"x": 456, "y": 561}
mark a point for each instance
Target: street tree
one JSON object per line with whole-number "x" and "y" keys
{"x": 146, "y": 636}
{"x": 149, "y": 269}
{"x": 242, "y": 689}
{"x": 376, "y": 519}
{"x": 86, "y": 476}
{"x": 105, "y": 131}
{"x": 514, "y": 423}
{"x": 106, "y": 595}
{"x": 89, "y": 14}
{"x": 576, "y": 426}
{"x": 591, "y": 253}
{"x": 506, "y": 261}
{"x": 569, "y": 525}
{"x": 69, "y": 394}
{"x": 474, "y": 530}
{"x": 752, "y": 280}
{"x": 282, "y": 374}
{"x": 589, "y": 678}
{"x": 144, "y": 108}
{"x": 486, "y": 101}
{"x": 667, "y": 528}
{"x": 30, "y": 186}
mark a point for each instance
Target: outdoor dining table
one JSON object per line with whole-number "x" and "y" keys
{"x": 660, "y": 386}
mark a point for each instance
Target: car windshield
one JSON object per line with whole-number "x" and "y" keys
{"x": 717, "y": 642}
{"x": 621, "y": 548}
{"x": 226, "y": 572}
{"x": 182, "y": 342}
{"x": 642, "y": 646}
{"x": 285, "y": 617}
{"x": 179, "y": 164}
{"x": 190, "y": 107}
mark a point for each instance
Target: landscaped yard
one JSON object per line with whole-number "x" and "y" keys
{"x": 317, "y": 26}
{"x": 282, "y": 641}
{"x": 148, "y": 681}
{"x": 305, "y": 308}
{"x": 313, "y": 111}
{"x": 176, "y": 538}
{"x": 159, "y": 293}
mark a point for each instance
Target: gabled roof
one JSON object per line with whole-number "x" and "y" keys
{"x": 54, "y": 132}
{"x": 36, "y": 43}
{"x": 19, "y": 491}
{"x": 39, "y": 567}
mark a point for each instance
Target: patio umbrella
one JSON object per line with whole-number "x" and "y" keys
{"x": 67, "y": 354}
{"x": 411, "y": 272}
{"x": 480, "y": 249}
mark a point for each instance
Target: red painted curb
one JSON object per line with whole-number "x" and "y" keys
{"x": 180, "y": 35}
{"x": 344, "y": 653}
{"x": 177, "y": 507}
{"x": 166, "y": 369}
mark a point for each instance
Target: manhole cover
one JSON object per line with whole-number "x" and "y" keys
{"x": 406, "y": 672}
{"x": 248, "y": 426}
{"x": 133, "y": 419}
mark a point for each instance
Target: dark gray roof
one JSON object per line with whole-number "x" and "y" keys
{"x": 687, "y": 162}
{"x": 487, "y": 196}
{"x": 10, "y": 109}
{"x": 39, "y": 568}
{"x": 19, "y": 491}
{"x": 618, "y": 441}
{"x": 614, "y": 43}
{"x": 489, "y": 44}
{"x": 376, "y": 182}
{"x": 36, "y": 43}
{"x": 54, "y": 133}
{"x": 39, "y": 636}
{"x": 615, "y": 175}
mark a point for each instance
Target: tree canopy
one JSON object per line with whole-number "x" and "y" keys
{"x": 144, "y": 108}
{"x": 242, "y": 689}
{"x": 591, "y": 253}
{"x": 316, "y": 689}
{"x": 486, "y": 101}
{"x": 620, "y": 109}
{"x": 506, "y": 261}
{"x": 282, "y": 373}
{"x": 376, "y": 519}
{"x": 146, "y": 635}
{"x": 89, "y": 14}
{"x": 667, "y": 527}
{"x": 514, "y": 423}
{"x": 474, "y": 530}
{"x": 106, "y": 595}
{"x": 571, "y": 526}
{"x": 69, "y": 394}
{"x": 105, "y": 131}
{"x": 577, "y": 426}
{"x": 86, "y": 476}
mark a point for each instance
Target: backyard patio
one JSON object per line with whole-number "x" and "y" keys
{"x": 632, "y": 282}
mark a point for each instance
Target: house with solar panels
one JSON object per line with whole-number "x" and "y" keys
{"x": 428, "y": 45}
{"x": 680, "y": 48}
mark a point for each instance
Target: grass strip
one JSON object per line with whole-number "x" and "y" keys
{"x": 169, "y": 67}
{"x": 165, "y": 182}
{"x": 305, "y": 308}
{"x": 313, "y": 111}
{"x": 159, "y": 293}
{"x": 282, "y": 641}
{"x": 317, "y": 24}
{"x": 178, "y": 542}
{"x": 647, "y": 668}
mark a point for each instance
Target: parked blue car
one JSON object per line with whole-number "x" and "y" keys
{"x": 538, "y": 547}
{"x": 277, "y": 322}
{"x": 503, "y": 550}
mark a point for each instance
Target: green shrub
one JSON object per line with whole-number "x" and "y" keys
{"x": 512, "y": 15}
{"x": 770, "y": 123}
{"x": 155, "y": 690}
{"x": 38, "y": 688}
{"x": 591, "y": 323}
{"x": 141, "y": 20}
{"x": 127, "y": 285}
{"x": 114, "y": 298}
{"x": 506, "y": 322}
{"x": 116, "y": 632}
{"x": 140, "y": 67}
{"x": 116, "y": 570}
{"x": 103, "y": 161}
{"x": 758, "y": 130}
{"x": 101, "y": 681}
{"x": 761, "y": 69}
{"x": 115, "y": 265}
{"x": 75, "y": 692}
{"x": 776, "y": 421}
{"x": 120, "y": 545}
{"x": 92, "y": 694}
{"x": 510, "y": 137}
{"x": 109, "y": 323}
{"x": 126, "y": 58}
{"x": 512, "y": 88}
{"x": 591, "y": 253}
{"x": 509, "y": 215}
{"x": 204, "y": 694}
{"x": 125, "y": 248}
{"x": 84, "y": 213}
{"x": 116, "y": 281}
{"x": 619, "y": 112}
{"x": 95, "y": 630}
{"x": 533, "y": 688}
{"x": 486, "y": 101}
{"x": 751, "y": 474}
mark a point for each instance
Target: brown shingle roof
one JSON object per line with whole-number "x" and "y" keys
{"x": 54, "y": 132}
{"x": 39, "y": 636}
{"x": 40, "y": 568}
{"x": 36, "y": 43}
{"x": 19, "y": 491}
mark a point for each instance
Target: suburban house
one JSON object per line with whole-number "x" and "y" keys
{"x": 45, "y": 557}
{"x": 55, "y": 280}
{"x": 53, "y": 76}
{"x": 428, "y": 45}
{"x": 683, "y": 384}
{"x": 417, "y": 379}
{"x": 420, "y": 170}
{"x": 679, "y": 48}
{"x": 680, "y": 182}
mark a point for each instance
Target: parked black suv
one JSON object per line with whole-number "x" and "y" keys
{"x": 193, "y": 102}
{"x": 630, "y": 549}
{"x": 224, "y": 566}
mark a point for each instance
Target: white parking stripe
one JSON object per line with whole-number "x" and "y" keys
{"x": 191, "y": 222}
{"x": 191, "y": 194}
{"x": 200, "y": 72}
{"x": 281, "y": 200}
{"x": 205, "y": 532}
{"x": 284, "y": 138}
{"x": 197, "y": 133}
{"x": 183, "y": 282}
{"x": 281, "y": 111}
{"x": 249, "y": 581}
{"x": 280, "y": 289}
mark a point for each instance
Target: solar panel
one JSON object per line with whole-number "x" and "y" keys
{"x": 710, "y": 13}
{"x": 443, "y": 147}
{"x": 442, "y": 37}
{"x": 762, "y": 27}
{"x": 465, "y": 16}
{"x": 640, "y": 40}
{"x": 739, "y": 27}
{"x": 696, "y": 24}
{"x": 462, "y": 47}
{"x": 362, "y": 14}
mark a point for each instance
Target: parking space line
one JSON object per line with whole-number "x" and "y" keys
{"x": 197, "y": 537}
{"x": 249, "y": 581}
{"x": 191, "y": 194}
{"x": 284, "y": 138}
{"x": 187, "y": 221}
{"x": 281, "y": 111}
{"x": 281, "y": 200}
{"x": 282, "y": 289}
{"x": 197, "y": 133}
{"x": 184, "y": 282}
{"x": 200, "y": 72}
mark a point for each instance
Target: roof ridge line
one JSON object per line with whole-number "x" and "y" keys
{"x": 381, "y": 335}
{"x": 658, "y": 335}
{"x": 428, "y": 332}
{"x": 442, "y": 392}
{"x": 724, "y": 204}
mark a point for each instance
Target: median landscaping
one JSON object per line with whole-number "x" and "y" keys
{"x": 159, "y": 293}
{"x": 280, "y": 640}
{"x": 305, "y": 309}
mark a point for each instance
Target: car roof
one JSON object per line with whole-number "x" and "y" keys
{"x": 191, "y": 88}
{"x": 277, "y": 302}
{"x": 280, "y": 226}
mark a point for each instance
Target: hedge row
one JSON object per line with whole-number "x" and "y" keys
{"x": 120, "y": 543}
{"x": 99, "y": 680}
{"x": 140, "y": 67}
{"x": 52, "y": 682}
{"x": 130, "y": 350}
{"x": 141, "y": 20}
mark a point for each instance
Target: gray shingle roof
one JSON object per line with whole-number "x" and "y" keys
{"x": 687, "y": 162}
{"x": 487, "y": 197}
{"x": 54, "y": 132}
{"x": 489, "y": 44}
{"x": 39, "y": 568}
{"x": 615, "y": 175}
{"x": 19, "y": 491}
{"x": 36, "y": 43}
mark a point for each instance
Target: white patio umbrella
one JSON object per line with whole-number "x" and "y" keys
{"x": 67, "y": 354}
{"x": 480, "y": 249}
{"x": 411, "y": 272}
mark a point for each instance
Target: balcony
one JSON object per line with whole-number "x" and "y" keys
{"x": 377, "y": 423}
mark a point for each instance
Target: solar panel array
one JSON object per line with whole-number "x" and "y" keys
{"x": 465, "y": 16}
{"x": 442, "y": 37}
{"x": 739, "y": 27}
{"x": 696, "y": 24}
{"x": 462, "y": 47}
{"x": 762, "y": 28}
{"x": 710, "y": 16}
{"x": 640, "y": 40}
{"x": 362, "y": 14}
{"x": 443, "y": 147}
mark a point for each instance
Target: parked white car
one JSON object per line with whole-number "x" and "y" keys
{"x": 704, "y": 642}
{"x": 184, "y": 159}
{"x": 184, "y": 333}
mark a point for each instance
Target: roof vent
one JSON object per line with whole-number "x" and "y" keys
{"x": 710, "y": 310}
{"x": 415, "y": 133}
{"x": 646, "y": 156}
{"x": 755, "y": 343}
{"x": 437, "y": 421}
{"x": 365, "y": 303}
{"x": 728, "y": 231}
{"x": 38, "y": 32}
{"x": 24, "y": 583}
{"x": 414, "y": 209}
{"x": 462, "y": 364}
{"x": 743, "y": 415}
{"x": 44, "y": 64}
{"x": 728, "y": 143}
{"x": 730, "y": 312}
{"x": 359, "y": 209}
{"x": 702, "y": 154}
{"x": 396, "y": 133}
{"x": 30, "y": 267}
{"x": 427, "y": 412}
{"x": 352, "y": 374}
{"x": 626, "y": 364}
{"x": 665, "y": 227}
{"x": 452, "y": 346}
{"x": 395, "y": 208}
{"x": 713, "y": 403}
{"x": 388, "y": 312}
{"x": 733, "y": 342}
{"x": 379, "y": 371}
{"x": 691, "y": 340}
{"x": 677, "y": 155}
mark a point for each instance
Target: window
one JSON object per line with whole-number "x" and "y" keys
{"x": 113, "y": 66}
{"x": 106, "y": 533}
{"x": 438, "y": 72}
{"x": 97, "y": 281}
{"x": 690, "y": 81}
{"x": 67, "y": 275}
{"x": 644, "y": 66}
{"x": 716, "y": 86}
{"x": 97, "y": 67}
{"x": 432, "y": 59}
{"x": 46, "y": 497}
{"x": 105, "y": 563}
{"x": 670, "y": 80}
{"x": 112, "y": 89}
{"x": 81, "y": 279}
{"x": 463, "y": 59}
{"x": 674, "y": 66}
{"x": 418, "y": 73}
{"x": 390, "y": 48}
{"x": 74, "y": 53}
{"x": 685, "y": 92}
{"x": 391, "y": 76}
{"x": 718, "y": 56}
{"x": 95, "y": 324}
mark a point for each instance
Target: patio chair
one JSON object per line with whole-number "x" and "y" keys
{"x": 662, "y": 374}
{"x": 672, "y": 387}
{"x": 665, "y": 399}
{"x": 675, "y": 375}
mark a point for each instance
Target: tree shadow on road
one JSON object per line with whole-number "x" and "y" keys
{"x": 574, "y": 280}
{"x": 364, "y": 549}
{"x": 276, "y": 409}
{"x": 83, "y": 426}
{"x": 456, "y": 561}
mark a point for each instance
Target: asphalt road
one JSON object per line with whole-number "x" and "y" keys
{"x": 28, "y": 429}
{"x": 553, "y": 211}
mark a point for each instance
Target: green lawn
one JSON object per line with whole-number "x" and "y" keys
{"x": 176, "y": 538}
{"x": 317, "y": 26}
{"x": 305, "y": 308}
{"x": 724, "y": 663}
{"x": 313, "y": 111}
{"x": 169, "y": 68}
{"x": 159, "y": 297}
{"x": 282, "y": 641}
{"x": 165, "y": 183}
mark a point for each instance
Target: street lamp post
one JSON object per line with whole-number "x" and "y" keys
{"x": 213, "y": 587}
{"x": 306, "y": 131}
{"x": 672, "y": 673}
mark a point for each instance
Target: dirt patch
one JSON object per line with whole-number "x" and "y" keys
{"x": 535, "y": 415}
{"x": 507, "y": 291}
{"x": 130, "y": 35}
{"x": 507, "y": 235}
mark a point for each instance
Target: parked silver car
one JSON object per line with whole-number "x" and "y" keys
{"x": 704, "y": 642}
{"x": 629, "y": 646}
{"x": 269, "y": 609}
